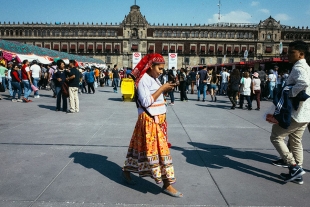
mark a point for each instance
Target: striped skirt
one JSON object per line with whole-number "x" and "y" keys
{"x": 148, "y": 153}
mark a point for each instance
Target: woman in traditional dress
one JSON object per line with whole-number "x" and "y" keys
{"x": 148, "y": 152}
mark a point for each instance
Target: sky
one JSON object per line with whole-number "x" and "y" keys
{"x": 288, "y": 12}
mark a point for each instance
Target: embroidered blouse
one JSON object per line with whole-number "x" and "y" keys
{"x": 300, "y": 78}
{"x": 146, "y": 87}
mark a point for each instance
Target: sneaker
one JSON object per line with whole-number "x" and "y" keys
{"x": 294, "y": 172}
{"x": 198, "y": 99}
{"x": 298, "y": 180}
{"x": 70, "y": 112}
{"x": 257, "y": 109}
{"x": 14, "y": 100}
{"x": 203, "y": 100}
{"x": 215, "y": 99}
{"x": 19, "y": 100}
{"x": 280, "y": 163}
{"x": 171, "y": 104}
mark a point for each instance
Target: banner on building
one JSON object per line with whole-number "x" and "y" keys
{"x": 136, "y": 57}
{"x": 173, "y": 60}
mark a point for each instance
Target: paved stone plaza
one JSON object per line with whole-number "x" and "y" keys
{"x": 221, "y": 156}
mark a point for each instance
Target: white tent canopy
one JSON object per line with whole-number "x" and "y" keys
{"x": 30, "y": 58}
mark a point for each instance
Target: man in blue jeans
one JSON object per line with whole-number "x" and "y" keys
{"x": 26, "y": 81}
{"x": 202, "y": 76}
{"x": 115, "y": 78}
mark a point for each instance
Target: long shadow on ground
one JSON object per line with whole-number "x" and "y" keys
{"x": 112, "y": 171}
{"x": 218, "y": 157}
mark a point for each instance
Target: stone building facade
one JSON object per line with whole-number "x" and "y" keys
{"x": 195, "y": 44}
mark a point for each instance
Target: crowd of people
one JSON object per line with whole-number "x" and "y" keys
{"x": 148, "y": 152}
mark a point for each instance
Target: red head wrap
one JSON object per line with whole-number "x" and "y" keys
{"x": 145, "y": 63}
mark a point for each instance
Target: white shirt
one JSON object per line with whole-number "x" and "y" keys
{"x": 256, "y": 83}
{"x": 35, "y": 71}
{"x": 246, "y": 86}
{"x": 225, "y": 76}
{"x": 272, "y": 77}
{"x": 300, "y": 79}
{"x": 146, "y": 87}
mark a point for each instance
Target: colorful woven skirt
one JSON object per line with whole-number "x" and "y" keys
{"x": 148, "y": 152}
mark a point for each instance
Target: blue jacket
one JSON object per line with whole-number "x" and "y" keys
{"x": 285, "y": 104}
{"x": 89, "y": 77}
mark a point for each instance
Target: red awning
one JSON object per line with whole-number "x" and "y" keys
{"x": 48, "y": 46}
{"x": 220, "y": 49}
{"x": 81, "y": 47}
{"x": 243, "y": 49}
{"x": 203, "y": 48}
{"x": 134, "y": 47}
{"x": 64, "y": 47}
{"x": 236, "y": 49}
{"x": 193, "y": 48}
{"x": 268, "y": 50}
{"x": 180, "y": 48}
{"x": 90, "y": 47}
{"x": 72, "y": 47}
{"x": 151, "y": 47}
{"x": 284, "y": 50}
{"x": 56, "y": 47}
{"x": 99, "y": 47}
{"x": 108, "y": 47}
{"x": 172, "y": 47}
{"x": 228, "y": 49}
{"x": 165, "y": 47}
{"x": 211, "y": 48}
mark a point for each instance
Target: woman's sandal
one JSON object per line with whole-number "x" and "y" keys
{"x": 130, "y": 182}
{"x": 177, "y": 194}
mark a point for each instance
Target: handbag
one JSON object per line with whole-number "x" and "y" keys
{"x": 65, "y": 89}
{"x": 34, "y": 88}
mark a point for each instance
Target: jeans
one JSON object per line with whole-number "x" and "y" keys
{"x": 272, "y": 85}
{"x": 116, "y": 81}
{"x": 16, "y": 87}
{"x": 248, "y": 98}
{"x": 35, "y": 83}
{"x": 171, "y": 94}
{"x": 59, "y": 95}
{"x": 183, "y": 90}
{"x": 223, "y": 88}
{"x": 74, "y": 99}
{"x": 91, "y": 86}
{"x": 27, "y": 88}
{"x": 3, "y": 82}
{"x": 203, "y": 88}
{"x": 10, "y": 86}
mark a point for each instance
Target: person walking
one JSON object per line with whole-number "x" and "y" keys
{"x": 245, "y": 91}
{"x": 213, "y": 85}
{"x": 16, "y": 81}
{"x": 299, "y": 79}
{"x": 182, "y": 78}
{"x": 27, "y": 82}
{"x": 115, "y": 78}
{"x": 36, "y": 74}
{"x": 148, "y": 153}
{"x": 193, "y": 75}
{"x": 90, "y": 79}
{"x": 60, "y": 78}
{"x": 224, "y": 82}
{"x": 272, "y": 78}
{"x": 171, "y": 79}
{"x": 74, "y": 79}
{"x": 202, "y": 77}
{"x": 256, "y": 90}
{"x": 233, "y": 87}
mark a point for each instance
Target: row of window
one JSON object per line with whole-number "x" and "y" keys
{"x": 297, "y": 36}
{"x": 206, "y": 34}
{"x": 59, "y": 33}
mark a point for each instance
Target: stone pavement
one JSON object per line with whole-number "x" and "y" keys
{"x": 221, "y": 156}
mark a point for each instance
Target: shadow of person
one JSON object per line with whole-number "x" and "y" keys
{"x": 112, "y": 171}
{"x": 218, "y": 157}
{"x": 47, "y": 107}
